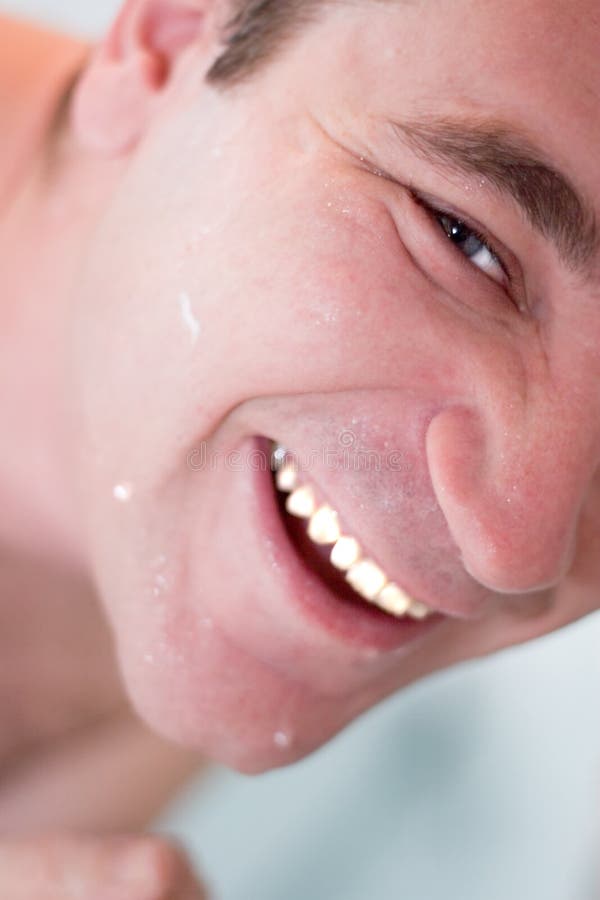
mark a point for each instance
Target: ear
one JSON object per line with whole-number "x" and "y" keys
{"x": 116, "y": 94}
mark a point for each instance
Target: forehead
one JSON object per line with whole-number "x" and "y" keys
{"x": 532, "y": 63}
{"x": 520, "y": 35}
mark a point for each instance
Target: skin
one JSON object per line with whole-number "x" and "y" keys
{"x": 67, "y": 729}
{"x": 56, "y": 868}
{"x": 326, "y": 301}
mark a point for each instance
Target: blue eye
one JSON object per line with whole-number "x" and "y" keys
{"x": 472, "y": 245}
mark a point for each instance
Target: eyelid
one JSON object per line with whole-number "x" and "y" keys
{"x": 432, "y": 205}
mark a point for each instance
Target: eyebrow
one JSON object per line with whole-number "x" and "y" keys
{"x": 514, "y": 166}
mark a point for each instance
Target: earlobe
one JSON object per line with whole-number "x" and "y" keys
{"x": 116, "y": 94}
{"x": 111, "y": 104}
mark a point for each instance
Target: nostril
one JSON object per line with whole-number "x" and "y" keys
{"x": 514, "y": 556}
{"x": 455, "y": 450}
{"x": 455, "y": 447}
{"x": 518, "y": 540}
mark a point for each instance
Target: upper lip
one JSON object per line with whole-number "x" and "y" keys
{"x": 413, "y": 587}
{"x": 392, "y": 504}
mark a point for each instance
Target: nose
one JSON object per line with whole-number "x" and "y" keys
{"x": 511, "y": 491}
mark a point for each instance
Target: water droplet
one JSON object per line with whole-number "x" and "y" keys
{"x": 282, "y": 739}
{"x": 160, "y": 585}
{"x": 188, "y": 318}
{"x": 123, "y": 492}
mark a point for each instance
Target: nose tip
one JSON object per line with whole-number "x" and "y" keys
{"x": 512, "y": 515}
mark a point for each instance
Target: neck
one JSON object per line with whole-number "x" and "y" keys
{"x": 43, "y": 233}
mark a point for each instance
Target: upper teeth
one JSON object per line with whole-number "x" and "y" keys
{"x": 363, "y": 574}
{"x": 323, "y": 527}
{"x": 287, "y": 477}
{"x": 301, "y": 502}
{"x": 345, "y": 553}
{"x": 367, "y": 578}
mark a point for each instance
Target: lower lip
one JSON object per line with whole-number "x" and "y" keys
{"x": 355, "y": 624}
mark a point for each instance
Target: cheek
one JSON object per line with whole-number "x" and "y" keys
{"x": 316, "y": 288}
{"x": 290, "y": 293}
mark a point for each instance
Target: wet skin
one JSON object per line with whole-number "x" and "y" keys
{"x": 327, "y": 300}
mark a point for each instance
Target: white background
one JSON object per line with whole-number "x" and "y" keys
{"x": 86, "y": 17}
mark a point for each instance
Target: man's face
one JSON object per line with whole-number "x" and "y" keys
{"x": 266, "y": 271}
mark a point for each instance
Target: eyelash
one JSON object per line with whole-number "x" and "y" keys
{"x": 435, "y": 214}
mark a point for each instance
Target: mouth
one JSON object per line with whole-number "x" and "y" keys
{"x": 334, "y": 579}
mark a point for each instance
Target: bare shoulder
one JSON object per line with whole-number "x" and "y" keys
{"x": 59, "y": 671}
{"x": 68, "y": 735}
{"x": 36, "y": 67}
{"x": 114, "y": 776}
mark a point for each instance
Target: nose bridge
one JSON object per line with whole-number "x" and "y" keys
{"x": 511, "y": 488}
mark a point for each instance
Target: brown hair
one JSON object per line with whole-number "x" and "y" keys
{"x": 256, "y": 31}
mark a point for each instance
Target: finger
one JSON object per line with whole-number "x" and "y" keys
{"x": 64, "y": 867}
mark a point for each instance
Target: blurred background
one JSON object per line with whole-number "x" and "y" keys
{"x": 88, "y": 19}
{"x": 482, "y": 783}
